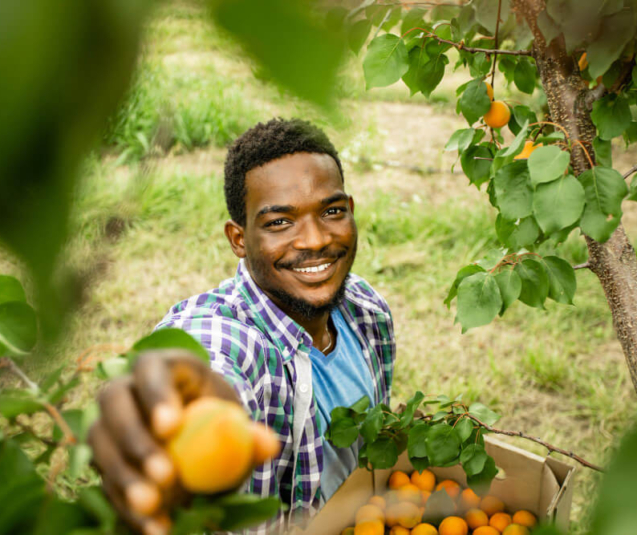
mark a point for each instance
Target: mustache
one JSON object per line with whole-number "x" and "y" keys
{"x": 308, "y": 256}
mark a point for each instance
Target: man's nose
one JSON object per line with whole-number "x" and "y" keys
{"x": 311, "y": 235}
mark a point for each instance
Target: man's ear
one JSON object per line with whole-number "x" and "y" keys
{"x": 235, "y": 235}
{"x": 351, "y": 204}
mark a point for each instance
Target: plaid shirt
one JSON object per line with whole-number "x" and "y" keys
{"x": 264, "y": 354}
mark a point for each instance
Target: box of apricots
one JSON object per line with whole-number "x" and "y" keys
{"x": 527, "y": 490}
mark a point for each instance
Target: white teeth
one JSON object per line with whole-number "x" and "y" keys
{"x": 314, "y": 269}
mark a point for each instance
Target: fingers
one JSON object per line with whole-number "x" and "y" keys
{"x": 124, "y": 421}
{"x": 126, "y": 484}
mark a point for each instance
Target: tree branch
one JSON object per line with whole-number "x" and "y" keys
{"x": 631, "y": 171}
{"x": 585, "y": 265}
{"x": 6, "y": 362}
{"x": 548, "y": 446}
{"x": 495, "y": 44}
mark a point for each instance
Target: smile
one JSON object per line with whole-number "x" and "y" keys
{"x": 313, "y": 269}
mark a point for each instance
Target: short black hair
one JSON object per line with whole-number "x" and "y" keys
{"x": 263, "y": 143}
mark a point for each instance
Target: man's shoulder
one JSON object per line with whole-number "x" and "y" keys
{"x": 363, "y": 294}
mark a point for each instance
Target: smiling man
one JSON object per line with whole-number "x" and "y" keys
{"x": 294, "y": 332}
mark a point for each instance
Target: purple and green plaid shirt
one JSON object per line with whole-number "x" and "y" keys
{"x": 264, "y": 354}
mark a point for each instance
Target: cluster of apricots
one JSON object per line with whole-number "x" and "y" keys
{"x": 499, "y": 113}
{"x": 400, "y": 511}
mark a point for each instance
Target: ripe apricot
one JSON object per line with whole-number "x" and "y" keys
{"x": 371, "y": 527}
{"x": 524, "y": 518}
{"x": 410, "y": 493}
{"x": 489, "y": 90}
{"x": 583, "y": 62}
{"x": 369, "y": 512}
{"x": 424, "y": 529}
{"x": 486, "y": 530}
{"x": 425, "y": 480}
{"x": 214, "y": 450}
{"x": 398, "y": 479}
{"x": 500, "y": 521}
{"x": 453, "y": 525}
{"x": 378, "y": 501}
{"x": 491, "y": 505}
{"x": 498, "y": 115}
{"x": 399, "y": 530}
{"x": 266, "y": 444}
{"x": 452, "y": 488}
{"x": 476, "y": 518}
{"x": 391, "y": 497}
{"x": 516, "y": 529}
{"x": 408, "y": 514}
{"x": 469, "y": 499}
{"x": 529, "y": 147}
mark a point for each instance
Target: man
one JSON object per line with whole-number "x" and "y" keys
{"x": 294, "y": 333}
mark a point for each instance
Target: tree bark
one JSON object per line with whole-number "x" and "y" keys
{"x": 614, "y": 262}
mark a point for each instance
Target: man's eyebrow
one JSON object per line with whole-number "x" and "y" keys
{"x": 336, "y": 197}
{"x": 278, "y": 208}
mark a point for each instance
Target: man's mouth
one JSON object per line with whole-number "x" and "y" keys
{"x": 313, "y": 269}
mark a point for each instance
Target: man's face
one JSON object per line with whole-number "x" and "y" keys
{"x": 299, "y": 239}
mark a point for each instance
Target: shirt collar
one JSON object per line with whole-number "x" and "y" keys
{"x": 282, "y": 330}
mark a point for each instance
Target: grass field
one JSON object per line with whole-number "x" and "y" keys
{"x": 149, "y": 217}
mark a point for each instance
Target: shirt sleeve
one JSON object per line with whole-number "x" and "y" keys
{"x": 232, "y": 347}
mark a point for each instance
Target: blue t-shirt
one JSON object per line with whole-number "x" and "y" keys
{"x": 339, "y": 379}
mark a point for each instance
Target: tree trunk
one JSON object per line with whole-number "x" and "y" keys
{"x": 613, "y": 262}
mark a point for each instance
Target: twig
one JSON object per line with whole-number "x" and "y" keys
{"x": 382, "y": 22}
{"x": 471, "y": 49}
{"x": 585, "y": 265}
{"x": 69, "y": 437}
{"x": 495, "y": 54}
{"x": 630, "y": 172}
{"x": 548, "y": 446}
{"x": 6, "y": 362}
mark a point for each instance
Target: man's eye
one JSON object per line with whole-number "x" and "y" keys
{"x": 335, "y": 210}
{"x": 275, "y": 223}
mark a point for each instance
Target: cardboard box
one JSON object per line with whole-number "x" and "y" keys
{"x": 525, "y": 481}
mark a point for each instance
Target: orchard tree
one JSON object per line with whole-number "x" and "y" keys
{"x": 556, "y": 176}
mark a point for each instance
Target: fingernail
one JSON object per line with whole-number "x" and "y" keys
{"x": 143, "y": 497}
{"x": 160, "y": 469}
{"x": 166, "y": 419}
{"x": 157, "y": 526}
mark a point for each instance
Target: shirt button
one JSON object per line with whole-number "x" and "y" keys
{"x": 304, "y": 388}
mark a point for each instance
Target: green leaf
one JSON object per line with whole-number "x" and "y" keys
{"x": 413, "y": 19}
{"x": 524, "y": 75}
{"x": 57, "y": 395}
{"x": 632, "y": 192}
{"x": 547, "y": 164}
{"x": 460, "y": 140}
{"x": 271, "y": 30}
{"x": 487, "y": 13}
{"x": 558, "y": 204}
{"x": 439, "y": 506}
{"x": 17, "y": 401}
{"x": 603, "y": 152}
{"x": 418, "y": 58}
{"x": 517, "y": 235}
{"x": 615, "y": 32}
{"x": 18, "y": 327}
{"x": 191, "y": 520}
{"x": 386, "y": 61}
{"x": 408, "y": 414}
{"x": 416, "y": 443}
{"x": 535, "y": 283}
{"x": 363, "y": 461}
{"x": 464, "y": 428}
{"x": 479, "y": 301}
{"x": 170, "y": 338}
{"x": 419, "y": 463}
{"x": 357, "y": 34}
{"x": 611, "y": 115}
{"x": 11, "y": 290}
{"x": 361, "y": 405}
{"x": 80, "y": 456}
{"x": 517, "y": 145}
{"x": 473, "y": 459}
{"x": 443, "y": 444}
{"x": 372, "y": 424}
{"x": 605, "y": 189}
{"x": 244, "y": 510}
{"x": 481, "y": 483}
{"x": 513, "y": 191}
{"x": 474, "y": 102}
{"x": 519, "y": 116}
{"x": 510, "y": 286}
{"x": 432, "y": 74}
{"x": 550, "y": 30}
{"x": 462, "y": 274}
{"x": 382, "y": 453}
{"x": 111, "y": 368}
{"x": 483, "y": 413}
{"x": 562, "y": 280}
{"x": 52, "y": 378}
{"x": 476, "y": 164}
{"x": 343, "y": 432}
{"x": 93, "y": 500}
